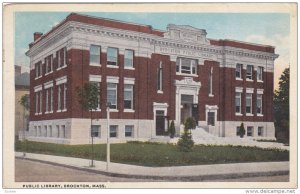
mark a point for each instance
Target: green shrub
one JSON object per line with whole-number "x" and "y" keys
{"x": 190, "y": 123}
{"x": 186, "y": 143}
{"x": 172, "y": 129}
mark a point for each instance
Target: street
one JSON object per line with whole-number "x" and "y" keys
{"x": 32, "y": 171}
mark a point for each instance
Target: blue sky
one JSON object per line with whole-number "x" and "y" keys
{"x": 263, "y": 28}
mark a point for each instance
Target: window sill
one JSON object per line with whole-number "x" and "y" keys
{"x": 260, "y": 115}
{"x": 249, "y": 80}
{"x": 112, "y": 66}
{"x": 61, "y": 67}
{"x": 238, "y": 114}
{"x": 211, "y": 95}
{"x": 38, "y": 77}
{"x": 185, "y": 74}
{"x": 238, "y": 79}
{"x": 49, "y": 73}
{"x": 160, "y": 91}
{"x": 58, "y": 111}
{"x": 64, "y": 110}
{"x": 260, "y": 81}
{"x": 129, "y": 110}
{"x": 129, "y": 68}
{"x": 98, "y": 110}
{"x": 249, "y": 114}
{"x": 129, "y": 137}
{"x": 36, "y": 113}
{"x": 95, "y": 64}
{"x": 113, "y": 110}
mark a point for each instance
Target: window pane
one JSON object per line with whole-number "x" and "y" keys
{"x": 128, "y": 130}
{"x": 249, "y": 131}
{"x": 95, "y": 132}
{"x": 113, "y": 130}
{"x": 112, "y": 56}
{"x": 128, "y": 58}
{"x": 249, "y": 71}
{"x": 238, "y": 70}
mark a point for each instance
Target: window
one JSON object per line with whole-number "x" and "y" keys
{"x": 238, "y": 71}
{"x": 249, "y": 131}
{"x": 259, "y": 73}
{"x": 36, "y": 102}
{"x": 128, "y": 130}
{"x": 112, "y": 95}
{"x": 113, "y": 131}
{"x": 61, "y": 57}
{"x": 211, "y": 118}
{"x": 35, "y": 130}
{"x": 128, "y": 96}
{"x": 65, "y": 96}
{"x": 210, "y": 87}
{"x": 95, "y": 131}
{"x": 112, "y": 56}
{"x": 259, "y": 104}
{"x": 47, "y": 99}
{"x": 59, "y": 97}
{"x": 186, "y": 66}
{"x": 128, "y": 58}
{"x": 37, "y": 70}
{"x": 238, "y": 102}
{"x": 51, "y": 99}
{"x": 249, "y": 72}
{"x": 41, "y": 101}
{"x": 159, "y": 77}
{"x": 238, "y": 131}
{"x": 260, "y": 131}
{"x": 248, "y": 103}
{"x": 94, "y": 55}
{"x": 49, "y": 63}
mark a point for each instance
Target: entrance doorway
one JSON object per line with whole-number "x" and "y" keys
{"x": 187, "y": 104}
{"x": 160, "y": 122}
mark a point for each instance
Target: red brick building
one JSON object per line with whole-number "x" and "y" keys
{"x": 150, "y": 77}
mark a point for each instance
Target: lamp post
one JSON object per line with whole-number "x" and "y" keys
{"x": 107, "y": 140}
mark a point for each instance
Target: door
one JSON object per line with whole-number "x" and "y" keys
{"x": 195, "y": 113}
{"x": 160, "y": 122}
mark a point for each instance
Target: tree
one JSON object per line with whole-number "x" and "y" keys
{"x": 88, "y": 99}
{"x": 172, "y": 129}
{"x": 281, "y": 105}
{"x": 24, "y": 101}
{"x": 242, "y": 130}
{"x": 186, "y": 143}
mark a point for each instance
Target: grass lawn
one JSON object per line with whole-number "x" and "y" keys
{"x": 154, "y": 154}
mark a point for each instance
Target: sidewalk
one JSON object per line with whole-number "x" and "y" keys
{"x": 197, "y": 172}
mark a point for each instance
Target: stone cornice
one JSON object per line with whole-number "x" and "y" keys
{"x": 138, "y": 36}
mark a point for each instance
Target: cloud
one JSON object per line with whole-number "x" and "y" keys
{"x": 282, "y": 48}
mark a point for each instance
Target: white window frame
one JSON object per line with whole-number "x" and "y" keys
{"x": 65, "y": 97}
{"x": 59, "y": 98}
{"x": 51, "y": 100}
{"x": 131, "y": 57}
{"x": 37, "y": 102}
{"x": 116, "y": 131}
{"x": 249, "y": 96}
{"x": 239, "y": 93}
{"x": 113, "y": 86}
{"x": 159, "y": 79}
{"x": 47, "y": 99}
{"x": 115, "y": 60}
{"x": 132, "y": 131}
{"x": 259, "y": 74}
{"x": 92, "y": 63}
{"x": 128, "y": 90}
{"x": 240, "y": 71}
{"x": 210, "y": 81}
{"x": 259, "y": 97}
{"x": 247, "y": 75}
{"x": 41, "y": 102}
{"x": 252, "y": 131}
{"x": 192, "y": 65}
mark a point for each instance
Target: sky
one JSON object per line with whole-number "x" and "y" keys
{"x": 262, "y": 28}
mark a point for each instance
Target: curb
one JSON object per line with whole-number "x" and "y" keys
{"x": 166, "y": 178}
